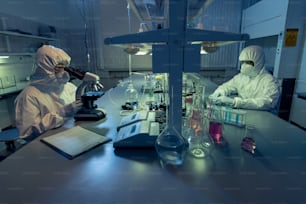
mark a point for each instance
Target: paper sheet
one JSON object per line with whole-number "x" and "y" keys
{"x": 75, "y": 141}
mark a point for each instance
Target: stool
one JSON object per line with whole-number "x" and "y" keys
{"x": 9, "y": 137}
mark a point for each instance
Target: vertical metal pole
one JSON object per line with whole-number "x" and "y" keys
{"x": 176, "y": 43}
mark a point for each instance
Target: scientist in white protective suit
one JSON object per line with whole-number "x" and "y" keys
{"x": 49, "y": 99}
{"x": 253, "y": 87}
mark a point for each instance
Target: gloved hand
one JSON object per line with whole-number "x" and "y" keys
{"x": 76, "y": 106}
{"x": 224, "y": 100}
{"x": 216, "y": 94}
{"x": 55, "y": 121}
{"x": 70, "y": 109}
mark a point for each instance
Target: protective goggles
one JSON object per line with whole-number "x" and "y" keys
{"x": 248, "y": 62}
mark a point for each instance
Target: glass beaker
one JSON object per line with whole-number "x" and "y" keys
{"x": 215, "y": 124}
{"x": 248, "y": 142}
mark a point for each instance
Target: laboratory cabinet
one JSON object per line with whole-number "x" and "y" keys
{"x": 20, "y": 36}
{"x": 279, "y": 30}
{"x": 15, "y": 71}
{"x": 298, "y": 113}
{"x": 17, "y": 43}
{"x": 7, "y": 111}
{"x": 19, "y": 40}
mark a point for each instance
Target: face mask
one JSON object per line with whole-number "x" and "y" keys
{"x": 62, "y": 77}
{"x": 248, "y": 70}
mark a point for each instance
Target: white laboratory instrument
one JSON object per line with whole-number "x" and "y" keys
{"x": 139, "y": 134}
{"x": 135, "y": 117}
{"x": 138, "y": 129}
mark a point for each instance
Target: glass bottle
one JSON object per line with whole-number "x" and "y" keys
{"x": 170, "y": 145}
{"x": 149, "y": 88}
{"x": 131, "y": 94}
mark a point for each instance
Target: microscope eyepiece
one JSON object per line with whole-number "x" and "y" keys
{"x": 75, "y": 72}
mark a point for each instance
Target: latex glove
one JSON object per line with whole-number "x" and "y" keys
{"x": 71, "y": 108}
{"x": 216, "y": 94}
{"x": 224, "y": 100}
{"x": 77, "y": 105}
{"x": 52, "y": 120}
{"x": 58, "y": 121}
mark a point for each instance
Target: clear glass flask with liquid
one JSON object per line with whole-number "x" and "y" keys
{"x": 215, "y": 125}
{"x": 131, "y": 94}
{"x": 170, "y": 145}
{"x": 199, "y": 143}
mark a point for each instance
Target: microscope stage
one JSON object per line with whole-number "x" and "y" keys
{"x": 89, "y": 115}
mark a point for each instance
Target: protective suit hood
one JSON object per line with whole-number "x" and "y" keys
{"x": 255, "y": 54}
{"x": 47, "y": 58}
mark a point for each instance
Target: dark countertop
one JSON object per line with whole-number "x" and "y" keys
{"x": 302, "y": 95}
{"x": 274, "y": 174}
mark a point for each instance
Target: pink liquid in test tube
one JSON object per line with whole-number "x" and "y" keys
{"x": 215, "y": 131}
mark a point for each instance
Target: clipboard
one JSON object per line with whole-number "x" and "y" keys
{"x": 74, "y": 141}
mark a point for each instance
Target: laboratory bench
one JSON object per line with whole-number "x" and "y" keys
{"x": 275, "y": 173}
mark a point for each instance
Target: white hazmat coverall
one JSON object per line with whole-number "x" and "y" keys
{"x": 255, "y": 87}
{"x": 49, "y": 98}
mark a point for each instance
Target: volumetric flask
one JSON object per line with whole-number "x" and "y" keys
{"x": 171, "y": 146}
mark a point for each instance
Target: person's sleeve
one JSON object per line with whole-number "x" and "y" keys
{"x": 72, "y": 105}
{"x": 72, "y": 108}
{"x": 266, "y": 101}
{"x": 228, "y": 87}
{"x": 29, "y": 120}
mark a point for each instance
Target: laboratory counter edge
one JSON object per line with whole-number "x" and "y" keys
{"x": 275, "y": 173}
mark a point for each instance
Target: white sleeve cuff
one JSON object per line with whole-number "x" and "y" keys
{"x": 237, "y": 102}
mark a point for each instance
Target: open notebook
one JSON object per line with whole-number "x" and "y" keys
{"x": 74, "y": 141}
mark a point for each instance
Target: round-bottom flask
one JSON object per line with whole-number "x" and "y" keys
{"x": 171, "y": 146}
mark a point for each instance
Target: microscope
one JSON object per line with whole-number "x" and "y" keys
{"x": 87, "y": 92}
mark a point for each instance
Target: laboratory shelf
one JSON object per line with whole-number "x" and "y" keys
{"x": 17, "y": 54}
{"x": 16, "y": 34}
{"x": 12, "y": 90}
